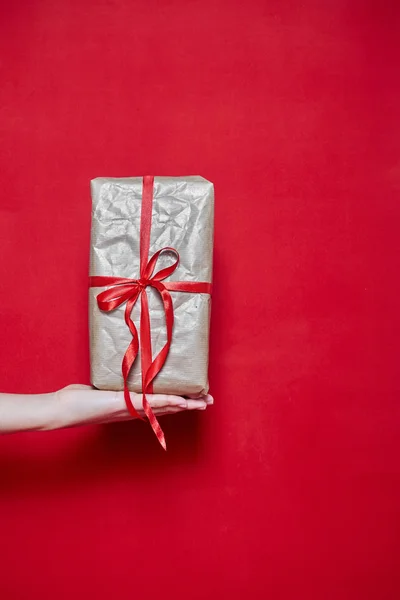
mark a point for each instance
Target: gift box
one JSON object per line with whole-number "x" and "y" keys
{"x": 150, "y": 283}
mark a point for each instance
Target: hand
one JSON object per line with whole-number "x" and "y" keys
{"x": 82, "y": 405}
{"x": 114, "y": 405}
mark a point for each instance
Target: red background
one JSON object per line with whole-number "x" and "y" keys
{"x": 289, "y": 486}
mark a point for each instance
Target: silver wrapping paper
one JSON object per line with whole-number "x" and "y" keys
{"x": 182, "y": 218}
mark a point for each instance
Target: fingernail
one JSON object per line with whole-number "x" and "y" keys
{"x": 210, "y": 400}
{"x": 202, "y": 408}
{"x": 183, "y": 405}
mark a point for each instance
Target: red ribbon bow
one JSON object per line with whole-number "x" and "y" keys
{"x": 128, "y": 290}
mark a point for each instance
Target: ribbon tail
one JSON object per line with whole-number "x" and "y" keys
{"x": 145, "y": 357}
{"x": 154, "y": 422}
{"x": 155, "y": 366}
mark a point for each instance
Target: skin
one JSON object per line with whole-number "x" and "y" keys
{"x": 82, "y": 405}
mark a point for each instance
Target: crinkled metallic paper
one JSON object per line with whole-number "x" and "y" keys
{"x": 183, "y": 218}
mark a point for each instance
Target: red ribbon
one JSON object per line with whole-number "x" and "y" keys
{"x": 128, "y": 290}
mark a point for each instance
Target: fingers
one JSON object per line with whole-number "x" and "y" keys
{"x": 196, "y": 404}
{"x": 166, "y": 400}
{"x": 168, "y": 410}
{"x": 206, "y": 398}
{"x": 166, "y": 405}
{"x": 161, "y": 401}
{"x": 172, "y": 410}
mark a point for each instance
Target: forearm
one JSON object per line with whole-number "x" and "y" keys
{"x": 65, "y": 408}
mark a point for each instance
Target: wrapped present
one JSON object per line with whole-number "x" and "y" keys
{"x": 150, "y": 286}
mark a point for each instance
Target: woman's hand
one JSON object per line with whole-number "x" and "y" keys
{"x": 83, "y": 405}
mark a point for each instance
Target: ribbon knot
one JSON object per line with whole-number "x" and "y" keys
{"x": 127, "y": 291}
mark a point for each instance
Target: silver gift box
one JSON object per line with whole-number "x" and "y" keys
{"x": 182, "y": 218}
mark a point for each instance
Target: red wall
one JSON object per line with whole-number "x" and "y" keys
{"x": 289, "y": 487}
